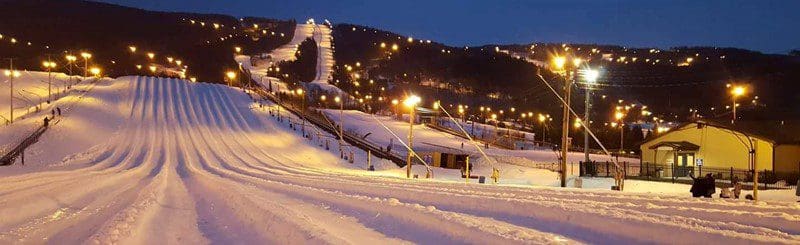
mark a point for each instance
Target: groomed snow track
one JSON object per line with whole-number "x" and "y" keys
{"x": 194, "y": 164}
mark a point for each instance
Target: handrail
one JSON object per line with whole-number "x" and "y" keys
{"x": 320, "y": 120}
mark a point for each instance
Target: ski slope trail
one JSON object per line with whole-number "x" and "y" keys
{"x": 322, "y": 36}
{"x": 200, "y": 163}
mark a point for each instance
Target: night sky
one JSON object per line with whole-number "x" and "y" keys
{"x": 764, "y": 25}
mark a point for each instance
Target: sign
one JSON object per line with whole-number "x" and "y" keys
{"x": 698, "y": 162}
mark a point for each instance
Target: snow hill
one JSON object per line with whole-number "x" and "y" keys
{"x": 321, "y": 34}
{"x": 144, "y": 160}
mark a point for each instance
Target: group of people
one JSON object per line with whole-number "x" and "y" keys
{"x": 53, "y": 115}
{"x": 707, "y": 186}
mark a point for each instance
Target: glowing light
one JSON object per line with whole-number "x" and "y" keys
{"x": 559, "y": 62}
{"x": 738, "y": 91}
{"x": 230, "y": 74}
{"x": 412, "y": 100}
{"x": 590, "y": 75}
{"x": 95, "y": 71}
{"x": 132, "y": 49}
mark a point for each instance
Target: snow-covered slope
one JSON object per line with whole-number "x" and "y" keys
{"x": 321, "y": 34}
{"x": 201, "y": 163}
{"x": 30, "y": 90}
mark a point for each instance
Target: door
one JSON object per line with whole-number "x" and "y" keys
{"x": 684, "y": 164}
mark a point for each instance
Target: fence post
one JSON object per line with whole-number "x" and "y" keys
{"x": 607, "y": 174}
{"x": 731, "y": 173}
{"x": 625, "y": 168}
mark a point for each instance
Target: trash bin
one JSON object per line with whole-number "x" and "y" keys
{"x": 482, "y": 179}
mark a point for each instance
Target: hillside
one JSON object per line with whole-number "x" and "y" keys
{"x": 204, "y": 43}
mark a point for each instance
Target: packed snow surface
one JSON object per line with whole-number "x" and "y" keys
{"x": 175, "y": 162}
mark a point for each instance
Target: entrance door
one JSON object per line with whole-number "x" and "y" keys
{"x": 684, "y": 164}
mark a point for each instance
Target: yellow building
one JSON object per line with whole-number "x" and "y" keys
{"x": 717, "y": 147}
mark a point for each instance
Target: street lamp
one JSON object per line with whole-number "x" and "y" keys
{"x": 302, "y": 95}
{"x": 49, "y": 65}
{"x": 560, "y": 62}
{"x": 70, "y": 60}
{"x": 341, "y": 120}
{"x": 590, "y": 76}
{"x": 410, "y": 102}
{"x": 619, "y": 116}
{"x": 86, "y": 57}
{"x": 231, "y": 75}
{"x": 394, "y": 105}
{"x": 95, "y": 71}
{"x": 542, "y": 120}
{"x": 736, "y": 92}
{"x": 11, "y": 74}
{"x": 132, "y": 49}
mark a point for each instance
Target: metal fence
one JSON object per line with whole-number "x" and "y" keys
{"x": 673, "y": 173}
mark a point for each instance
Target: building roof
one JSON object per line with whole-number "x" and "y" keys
{"x": 751, "y": 129}
{"x": 677, "y": 145}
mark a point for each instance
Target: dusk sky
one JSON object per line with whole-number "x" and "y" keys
{"x": 768, "y": 26}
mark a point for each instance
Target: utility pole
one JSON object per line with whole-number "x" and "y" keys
{"x": 565, "y": 129}
{"x": 622, "y": 137}
{"x": 11, "y": 74}
{"x": 49, "y": 67}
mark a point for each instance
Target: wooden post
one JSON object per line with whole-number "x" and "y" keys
{"x": 467, "y": 177}
{"x": 369, "y": 160}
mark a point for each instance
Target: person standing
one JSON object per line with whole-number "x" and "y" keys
{"x": 737, "y": 187}
{"x": 797, "y": 189}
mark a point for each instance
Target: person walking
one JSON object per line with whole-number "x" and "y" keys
{"x": 58, "y": 109}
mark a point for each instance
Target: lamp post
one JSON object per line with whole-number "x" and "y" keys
{"x": 560, "y": 63}
{"x": 590, "y": 76}
{"x": 411, "y": 102}
{"x": 302, "y": 95}
{"x": 619, "y": 116}
{"x": 86, "y": 57}
{"x": 11, "y": 73}
{"x": 49, "y": 65}
{"x": 231, "y": 75}
{"x": 736, "y": 92}
{"x": 70, "y": 62}
{"x": 341, "y": 120}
